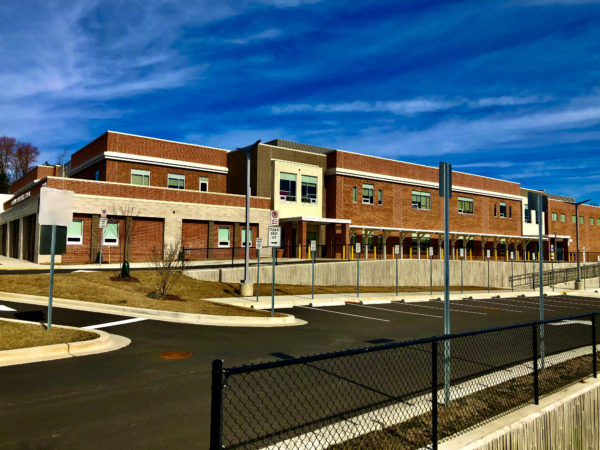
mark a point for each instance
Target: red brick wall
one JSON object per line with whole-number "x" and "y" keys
{"x": 147, "y": 234}
{"x": 589, "y": 235}
{"x": 87, "y": 152}
{"x": 80, "y": 253}
{"x": 89, "y": 173}
{"x": 37, "y": 173}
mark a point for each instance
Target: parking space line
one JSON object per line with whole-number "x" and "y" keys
{"x": 439, "y": 309}
{"x": 549, "y": 303}
{"x": 559, "y": 302}
{"x": 520, "y": 305}
{"x": 343, "y": 314}
{"x": 396, "y": 311}
{"x": 493, "y": 303}
{"x": 112, "y": 324}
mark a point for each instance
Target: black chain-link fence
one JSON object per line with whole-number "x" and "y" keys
{"x": 398, "y": 395}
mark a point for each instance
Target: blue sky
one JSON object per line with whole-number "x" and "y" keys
{"x": 507, "y": 89}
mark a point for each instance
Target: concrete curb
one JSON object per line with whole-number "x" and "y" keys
{"x": 156, "y": 314}
{"x": 105, "y": 342}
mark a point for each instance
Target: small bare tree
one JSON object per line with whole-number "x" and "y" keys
{"x": 169, "y": 266}
{"x": 127, "y": 211}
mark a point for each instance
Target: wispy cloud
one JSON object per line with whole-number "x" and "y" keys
{"x": 271, "y": 33}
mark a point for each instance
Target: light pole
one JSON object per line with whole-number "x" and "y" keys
{"x": 578, "y": 281}
{"x": 246, "y": 284}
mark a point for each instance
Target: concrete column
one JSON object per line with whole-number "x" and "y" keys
{"x": 237, "y": 240}
{"x": 21, "y": 239}
{"x": 94, "y": 238}
{"x": 172, "y": 232}
{"x": 210, "y": 239}
{"x": 330, "y": 242}
{"x": 301, "y": 236}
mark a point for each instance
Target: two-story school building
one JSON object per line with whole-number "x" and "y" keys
{"x": 158, "y": 193}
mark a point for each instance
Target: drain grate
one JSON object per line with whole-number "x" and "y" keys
{"x": 176, "y": 354}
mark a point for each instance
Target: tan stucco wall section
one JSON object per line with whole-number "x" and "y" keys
{"x": 297, "y": 208}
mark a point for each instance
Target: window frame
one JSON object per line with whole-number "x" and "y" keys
{"x": 379, "y": 197}
{"x": 175, "y": 176}
{"x": 354, "y": 194}
{"x": 554, "y": 216}
{"x": 243, "y": 238}
{"x": 104, "y": 237}
{"x": 306, "y": 198}
{"x": 221, "y": 244}
{"x": 591, "y": 221}
{"x": 419, "y": 203}
{"x": 502, "y": 205}
{"x": 563, "y": 217}
{"x": 201, "y": 181}
{"x": 581, "y": 220}
{"x": 527, "y": 215}
{"x": 140, "y": 172}
{"x": 466, "y": 201}
{"x": 291, "y": 197}
{"x": 80, "y": 237}
{"x": 370, "y": 199}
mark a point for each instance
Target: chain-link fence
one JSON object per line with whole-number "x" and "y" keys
{"x": 398, "y": 395}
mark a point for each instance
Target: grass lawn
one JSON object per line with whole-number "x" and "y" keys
{"x": 98, "y": 287}
{"x": 15, "y": 335}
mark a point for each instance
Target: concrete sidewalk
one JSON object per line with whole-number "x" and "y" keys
{"x": 289, "y": 301}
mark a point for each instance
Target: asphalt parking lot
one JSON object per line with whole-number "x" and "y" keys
{"x": 133, "y": 398}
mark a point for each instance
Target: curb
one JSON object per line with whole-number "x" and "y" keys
{"x": 156, "y": 314}
{"x": 105, "y": 342}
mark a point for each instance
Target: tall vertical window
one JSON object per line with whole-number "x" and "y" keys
{"x": 495, "y": 210}
{"x": 97, "y": 175}
{"x": 591, "y": 221}
{"x": 244, "y": 238}
{"x": 309, "y": 189}
{"x": 354, "y": 194}
{"x": 111, "y": 234}
{"x": 203, "y": 184}
{"x": 380, "y": 197}
{"x": 527, "y": 214}
{"x": 176, "y": 181}
{"x": 287, "y": 187}
{"x": 140, "y": 177}
{"x": 554, "y": 216}
{"x": 510, "y": 212}
{"x": 465, "y": 205}
{"x": 573, "y": 219}
{"x": 223, "y": 240}
{"x": 502, "y": 209}
{"x": 562, "y": 217}
{"x": 421, "y": 200}
{"x": 75, "y": 232}
{"x": 581, "y": 220}
{"x": 367, "y": 196}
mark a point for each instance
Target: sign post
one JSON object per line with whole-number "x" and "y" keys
{"x": 274, "y": 243}
{"x": 56, "y": 209}
{"x": 445, "y": 188}
{"x": 102, "y": 225}
{"x": 430, "y": 270}
{"x": 258, "y": 248}
{"x": 397, "y": 251}
{"x": 313, "y": 250}
{"x": 357, "y": 268}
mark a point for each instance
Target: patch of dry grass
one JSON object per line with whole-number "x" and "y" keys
{"x": 15, "y": 335}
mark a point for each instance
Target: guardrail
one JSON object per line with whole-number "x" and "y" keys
{"x": 553, "y": 277}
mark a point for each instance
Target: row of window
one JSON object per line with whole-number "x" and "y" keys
{"x": 574, "y": 220}
{"x": 368, "y": 195}
{"x": 224, "y": 238}
{"x": 141, "y": 177}
{"x": 287, "y": 188}
{"x": 502, "y": 210}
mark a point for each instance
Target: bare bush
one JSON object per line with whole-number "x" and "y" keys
{"x": 169, "y": 266}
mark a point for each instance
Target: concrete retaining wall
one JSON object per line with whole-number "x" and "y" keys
{"x": 380, "y": 273}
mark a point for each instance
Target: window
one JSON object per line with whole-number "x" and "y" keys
{"x": 111, "y": 234}
{"x": 97, "y": 175}
{"x": 495, "y": 210}
{"x": 591, "y": 221}
{"x": 140, "y": 177}
{"x": 354, "y": 194}
{"x": 502, "y": 209}
{"x": 562, "y": 217}
{"x": 223, "y": 237}
{"x": 309, "y": 189}
{"x": 367, "y": 194}
{"x": 597, "y": 221}
{"x": 465, "y": 205}
{"x": 380, "y": 197}
{"x": 581, "y": 220}
{"x": 554, "y": 216}
{"x": 244, "y": 238}
{"x": 527, "y": 214}
{"x": 287, "y": 187}
{"x": 421, "y": 200}
{"x": 176, "y": 181}
{"x": 203, "y": 184}
{"x": 573, "y": 219}
{"x": 75, "y": 232}
{"x": 510, "y": 212}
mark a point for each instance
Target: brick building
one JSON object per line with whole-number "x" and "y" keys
{"x": 158, "y": 193}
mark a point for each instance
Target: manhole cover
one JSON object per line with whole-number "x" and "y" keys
{"x": 176, "y": 354}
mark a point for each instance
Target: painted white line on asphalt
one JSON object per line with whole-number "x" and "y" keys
{"x": 343, "y": 314}
{"x": 520, "y": 305}
{"x": 440, "y": 309}
{"x": 396, "y": 311}
{"x": 6, "y": 308}
{"x": 112, "y": 324}
{"x": 559, "y": 303}
{"x": 492, "y": 303}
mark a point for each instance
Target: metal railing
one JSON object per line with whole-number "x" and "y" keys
{"x": 557, "y": 276}
{"x": 393, "y": 395}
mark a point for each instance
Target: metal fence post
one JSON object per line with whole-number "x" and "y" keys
{"x": 536, "y": 381}
{"x": 594, "y": 355}
{"x": 434, "y": 401}
{"x": 216, "y": 405}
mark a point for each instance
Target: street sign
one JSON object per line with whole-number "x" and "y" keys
{"x": 488, "y": 253}
{"x": 512, "y": 255}
{"x": 532, "y": 201}
{"x": 313, "y": 246}
{"x": 60, "y": 245}
{"x": 431, "y": 252}
{"x": 445, "y": 179}
{"x": 358, "y": 247}
{"x": 462, "y": 252}
{"x": 397, "y": 249}
{"x": 56, "y": 207}
{"x": 274, "y": 236}
{"x": 102, "y": 223}
{"x": 103, "y": 214}
{"x": 274, "y": 218}
{"x": 259, "y": 243}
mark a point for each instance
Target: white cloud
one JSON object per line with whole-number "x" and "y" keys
{"x": 507, "y": 100}
{"x": 271, "y": 33}
{"x": 403, "y": 107}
